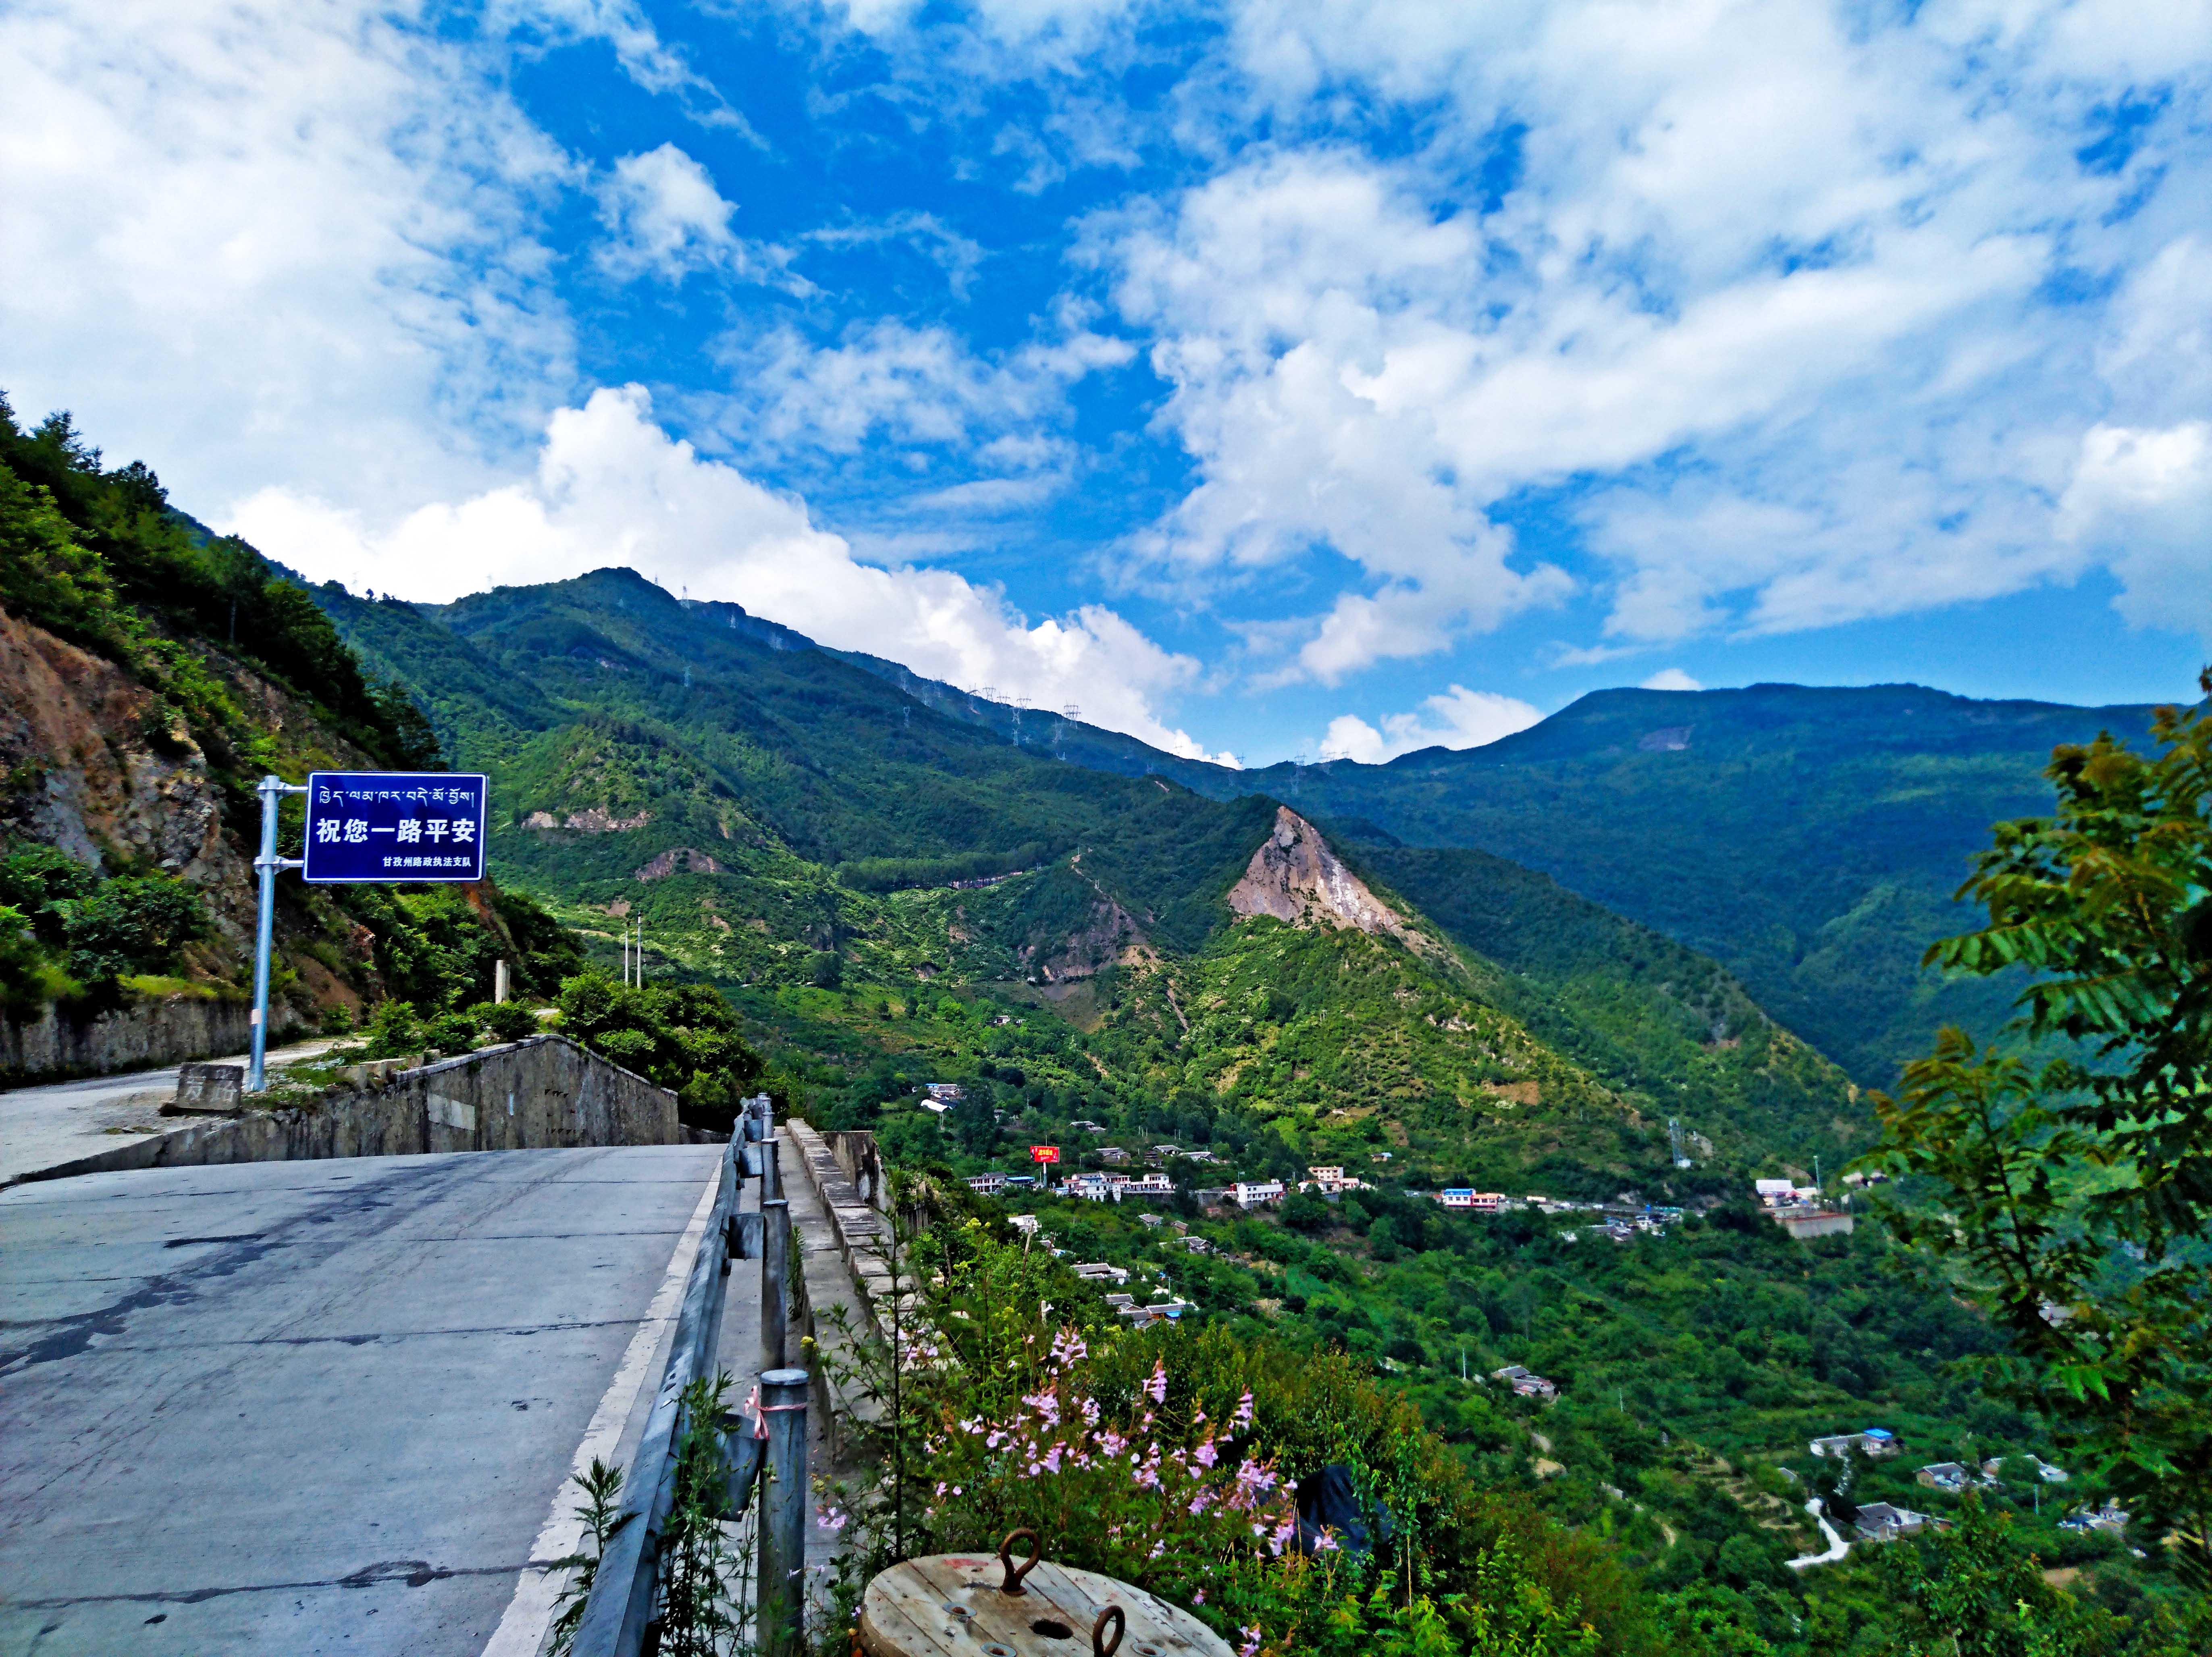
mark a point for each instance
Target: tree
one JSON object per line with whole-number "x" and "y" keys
{"x": 2073, "y": 1199}
{"x": 1976, "y": 1591}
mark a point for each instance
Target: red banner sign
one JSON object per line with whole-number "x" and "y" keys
{"x": 1044, "y": 1153}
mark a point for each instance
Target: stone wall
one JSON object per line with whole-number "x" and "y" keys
{"x": 541, "y": 1093}
{"x": 60, "y": 1043}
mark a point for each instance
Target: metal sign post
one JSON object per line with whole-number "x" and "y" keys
{"x": 272, "y": 790}
{"x": 364, "y": 826}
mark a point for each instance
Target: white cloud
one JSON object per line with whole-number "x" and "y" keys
{"x": 1811, "y": 302}
{"x": 2144, "y": 497}
{"x": 664, "y": 215}
{"x": 251, "y": 241}
{"x": 1671, "y": 678}
{"x": 889, "y": 381}
{"x": 611, "y": 487}
{"x": 1459, "y": 718}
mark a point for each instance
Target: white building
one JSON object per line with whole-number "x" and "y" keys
{"x": 1251, "y": 1193}
{"x": 1091, "y": 1187}
{"x": 987, "y": 1184}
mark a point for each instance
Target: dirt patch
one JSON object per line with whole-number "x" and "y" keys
{"x": 1515, "y": 1093}
{"x": 684, "y": 860}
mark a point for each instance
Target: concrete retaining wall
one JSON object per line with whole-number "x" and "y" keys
{"x": 541, "y": 1093}
{"x": 863, "y": 1240}
{"x": 59, "y": 1043}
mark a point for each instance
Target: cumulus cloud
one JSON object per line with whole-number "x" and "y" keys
{"x": 2144, "y": 498}
{"x": 248, "y": 241}
{"x": 611, "y": 487}
{"x": 1810, "y": 305}
{"x": 1459, "y": 718}
{"x": 1671, "y": 678}
{"x": 664, "y": 215}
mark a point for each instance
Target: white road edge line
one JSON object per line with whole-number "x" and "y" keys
{"x": 521, "y": 1632}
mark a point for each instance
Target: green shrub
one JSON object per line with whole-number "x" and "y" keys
{"x": 510, "y": 1020}
{"x": 452, "y": 1033}
{"x": 133, "y": 924}
{"x": 394, "y": 1031}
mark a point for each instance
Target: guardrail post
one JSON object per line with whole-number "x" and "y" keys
{"x": 782, "y": 1596}
{"x": 776, "y": 1275}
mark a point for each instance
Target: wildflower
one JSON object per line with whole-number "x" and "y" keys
{"x": 1325, "y": 1543}
{"x": 832, "y": 1519}
{"x": 1283, "y": 1532}
{"x": 1068, "y": 1349}
{"x": 1251, "y": 1645}
{"x": 1158, "y": 1548}
{"x": 1244, "y": 1416}
{"x": 1091, "y": 1412}
{"x": 1198, "y": 1504}
{"x": 1158, "y": 1386}
{"x": 1206, "y": 1454}
{"x": 1198, "y": 1599}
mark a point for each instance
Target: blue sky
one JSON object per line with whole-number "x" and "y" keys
{"x": 1280, "y": 376}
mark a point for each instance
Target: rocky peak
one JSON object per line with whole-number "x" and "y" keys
{"x": 1294, "y": 876}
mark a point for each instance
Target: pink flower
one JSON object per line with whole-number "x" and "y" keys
{"x": 831, "y": 1519}
{"x": 1244, "y": 1416}
{"x": 1158, "y": 1386}
{"x": 1206, "y": 1454}
{"x": 1052, "y": 1460}
{"x": 1198, "y": 1599}
{"x": 1283, "y": 1533}
{"x": 1251, "y": 1645}
{"x": 1091, "y": 1412}
{"x": 1068, "y": 1349}
{"x": 1198, "y": 1503}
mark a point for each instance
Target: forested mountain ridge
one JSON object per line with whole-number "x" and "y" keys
{"x": 1809, "y": 838}
{"x": 771, "y": 812}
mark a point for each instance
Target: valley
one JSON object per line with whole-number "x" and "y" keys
{"x": 1624, "y": 975}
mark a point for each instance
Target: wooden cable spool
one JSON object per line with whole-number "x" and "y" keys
{"x": 956, "y": 1605}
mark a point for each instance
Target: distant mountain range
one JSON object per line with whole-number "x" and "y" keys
{"x": 758, "y": 803}
{"x": 1809, "y": 839}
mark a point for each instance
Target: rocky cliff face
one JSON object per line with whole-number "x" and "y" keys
{"x": 95, "y": 765}
{"x": 1294, "y": 876}
{"x": 93, "y": 770}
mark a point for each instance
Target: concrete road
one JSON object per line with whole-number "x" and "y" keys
{"x": 57, "y": 1122}
{"x": 301, "y": 1407}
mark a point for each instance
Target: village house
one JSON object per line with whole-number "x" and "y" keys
{"x": 987, "y": 1184}
{"x": 1024, "y": 1223}
{"x": 1157, "y": 1154}
{"x": 1875, "y": 1443}
{"x": 1149, "y": 1187}
{"x": 1525, "y": 1383}
{"x": 1099, "y": 1271}
{"x": 1090, "y": 1188}
{"x": 1113, "y": 1154}
{"x": 1252, "y": 1193}
{"x": 1878, "y": 1521}
{"x": 1152, "y": 1219}
{"x": 1943, "y": 1476}
{"x": 949, "y": 1093}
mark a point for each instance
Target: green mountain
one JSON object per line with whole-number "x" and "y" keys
{"x": 775, "y": 815}
{"x": 1809, "y": 840}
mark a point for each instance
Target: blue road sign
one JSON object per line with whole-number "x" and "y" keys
{"x": 394, "y": 825}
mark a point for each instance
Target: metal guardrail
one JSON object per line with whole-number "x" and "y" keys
{"x": 620, "y": 1606}
{"x": 621, "y": 1602}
